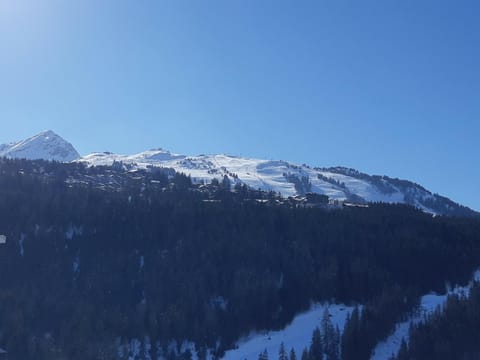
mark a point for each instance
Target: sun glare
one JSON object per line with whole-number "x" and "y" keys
{"x": 21, "y": 14}
{"x": 25, "y": 25}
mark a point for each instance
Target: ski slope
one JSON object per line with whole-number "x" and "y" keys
{"x": 297, "y": 335}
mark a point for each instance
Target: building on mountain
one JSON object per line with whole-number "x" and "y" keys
{"x": 318, "y": 199}
{"x": 351, "y": 204}
{"x": 335, "y": 203}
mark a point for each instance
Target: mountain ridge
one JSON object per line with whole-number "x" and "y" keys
{"x": 288, "y": 179}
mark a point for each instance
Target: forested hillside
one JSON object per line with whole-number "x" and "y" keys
{"x": 98, "y": 255}
{"x": 449, "y": 333}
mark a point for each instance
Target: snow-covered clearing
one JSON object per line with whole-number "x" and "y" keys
{"x": 428, "y": 304}
{"x": 297, "y": 335}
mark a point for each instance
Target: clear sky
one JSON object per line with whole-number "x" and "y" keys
{"x": 387, "y": 86}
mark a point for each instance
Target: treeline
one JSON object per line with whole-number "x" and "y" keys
{"x": 97, "y": 256}
{"x": 371, "y": 324}
{"x": 324, "y": 344}
{"x": 450, "y": 333}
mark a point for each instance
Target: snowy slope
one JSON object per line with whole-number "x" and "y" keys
{"x": 291, "y": 179}
{"x": 428, "y": 304}
{"x": 257, "y": 173}
{"x": 280, "y": 176}
{"x": 46, "y": 145}
{"x": 297, "y": 335}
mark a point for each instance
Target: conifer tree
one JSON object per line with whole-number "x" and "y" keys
{"x": 316, "y": 347}
{"x": 403, "y": 352}
{"x": 350, "y": 336}
{"x": 328, "y": 336}
{"x": 293, "y": 355}
{"x": 282, "y": 353}
{"x": 226, "y": 184}
{"x": 331, "y": 339}
{"x": 305, "y": 354}
{"x": 263, "y": 355}
{"x": 336, "y": 345}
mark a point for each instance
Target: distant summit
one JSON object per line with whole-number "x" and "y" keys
{"x": 45, "y": 145}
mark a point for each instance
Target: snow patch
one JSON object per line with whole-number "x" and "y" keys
{"x": 428, "y": 304}
{"x": 219, "y": 302}
{"x": 76, "y": 264}
{"x": 20, "y": 244}
{"x": 73, "y": 231}
{"x": 297, "y": 335}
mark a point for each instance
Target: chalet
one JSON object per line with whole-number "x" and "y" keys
{"x": 335, "y": 203}
{"x": 349, "y": 204}
{"x": 315, "y": 198}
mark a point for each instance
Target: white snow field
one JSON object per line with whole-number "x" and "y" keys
{"x": 297, "y": 335}
{"x": 270, "y": 175}
{"x": 428, "y": 304}
{"x": 261, "y": 174}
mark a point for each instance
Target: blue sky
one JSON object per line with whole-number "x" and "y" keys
{"x": 387, "y": 87}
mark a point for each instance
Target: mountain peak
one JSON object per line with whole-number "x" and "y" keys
{"x": 48, "y": 133}
{"x": 45, "y": 145}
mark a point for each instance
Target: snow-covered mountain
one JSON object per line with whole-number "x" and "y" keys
{"x": 46, "y": 145}
{"x": 289, "y": 179}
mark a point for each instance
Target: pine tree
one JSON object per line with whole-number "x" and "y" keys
{"x": 336, "y": 345}
{"x": 305, "y": 355}
{"x": 328, "y": 337}
{"x": 282, "y": 353}
{"x": 263, "y": 355}
{"x": 187, "y": 355}
{"x": 403, "y": 352}
{"x": 293, "y": 356}
{"x": 350, "y": 340}
{"x": 316, "y": 348}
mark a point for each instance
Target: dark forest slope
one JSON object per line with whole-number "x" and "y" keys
{"x": 101, "y": 253}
